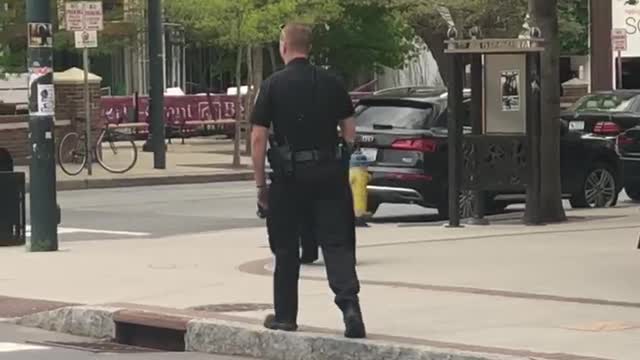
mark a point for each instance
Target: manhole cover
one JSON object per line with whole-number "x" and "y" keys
{"x": 226, "y": 308}
{"x": 97, "y": 347}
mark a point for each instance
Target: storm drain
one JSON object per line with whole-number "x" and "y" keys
{"x": 232, "y": 308}
{"x": 97, "y": 347}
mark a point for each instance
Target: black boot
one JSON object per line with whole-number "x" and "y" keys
{"x": 270, "y": 322}
{"x": 354, "y": 325}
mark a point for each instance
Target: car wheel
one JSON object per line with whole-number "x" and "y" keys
{"x": 599, "y": 189}
{"x": 465, "y": 199}
{"x": 633, "y": 191}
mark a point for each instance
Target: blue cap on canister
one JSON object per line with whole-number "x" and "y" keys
{"x": 359, "y": 159}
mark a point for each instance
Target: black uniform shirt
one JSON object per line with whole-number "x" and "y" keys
{"x": 304, "y": 104}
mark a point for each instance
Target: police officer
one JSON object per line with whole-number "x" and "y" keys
{"x": 306, "y": 106}
{"x": 308, "y": 241}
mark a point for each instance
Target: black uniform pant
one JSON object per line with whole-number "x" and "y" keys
{"x": 330, "y": 207}
{"x": 308, "y": 240}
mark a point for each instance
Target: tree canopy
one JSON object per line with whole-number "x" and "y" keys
{"x": 352, "y": 36}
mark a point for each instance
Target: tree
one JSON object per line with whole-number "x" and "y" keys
{"x": 545, "y": 16}
{"x": 573, "y": 19}
{"x": 246, "y": 25}
{"x": 13, "y": 36}
{"x": 496, "y": 18}
{"x": 366, "y": 37}
{"x": 13, "y": 51}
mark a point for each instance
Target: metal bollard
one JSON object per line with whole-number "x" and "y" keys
{"x": 359, "y": 179}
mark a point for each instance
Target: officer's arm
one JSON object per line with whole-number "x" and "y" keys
{"x": 261, "y": 121}
{"x": 259, "y": 139}
{"x": 348, "y": 129}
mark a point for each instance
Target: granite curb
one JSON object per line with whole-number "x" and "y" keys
{"x": 225, "y": 337}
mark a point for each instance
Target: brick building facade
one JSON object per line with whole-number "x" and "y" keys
{"x": 70, "y": 108}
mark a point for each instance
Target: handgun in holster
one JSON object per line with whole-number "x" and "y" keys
{"x": 280, "y": 158}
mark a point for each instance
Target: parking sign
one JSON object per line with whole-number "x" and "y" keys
{"x": 84, "y": 16}
{"x": 619, "y": 39}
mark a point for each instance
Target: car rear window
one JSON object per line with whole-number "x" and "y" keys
{"x": 396, "y": 116}
{"x": 604, "y": 102}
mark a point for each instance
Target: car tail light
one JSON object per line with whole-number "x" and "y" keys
{"x": 423, "y": 145}
{"x": 607, "y": 128}
{"x": 624, "y": 140}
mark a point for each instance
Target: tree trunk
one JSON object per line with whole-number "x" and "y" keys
{"x": 248, "y": 98}
{"x": 258, "y": 75}
{"x": 272, "y": 56}
{"x": 435, "y": 43}
{"x": 238, "y": 133}
{"x": 545, "y": 15}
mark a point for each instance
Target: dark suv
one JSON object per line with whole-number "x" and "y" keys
{"x": 403, "y": 132}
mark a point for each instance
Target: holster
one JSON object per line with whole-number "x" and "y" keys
{"x": 307, "y": 164}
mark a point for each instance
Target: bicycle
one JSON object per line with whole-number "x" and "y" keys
{"x": 114, "y": 158}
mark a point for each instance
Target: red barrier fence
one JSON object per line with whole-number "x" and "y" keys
{"x": 118, "y": 109}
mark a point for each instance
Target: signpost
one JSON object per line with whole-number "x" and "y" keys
{"x": 86, "y": 19}
{"x": 619, "y": 44}
{"x": 45, "y": 214}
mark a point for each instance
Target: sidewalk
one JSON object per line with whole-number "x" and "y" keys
{"x": 566, "y": 291}
{"x": 200, "y": 160}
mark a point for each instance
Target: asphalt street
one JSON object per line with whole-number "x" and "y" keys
{"x": 19, "y": 343}
{"x": 161, "y": 211}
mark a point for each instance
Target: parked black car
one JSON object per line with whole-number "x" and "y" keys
{"x": 606, "y": 113}
{"x": 628, "y": 146}
{"x": 404, "y": 133}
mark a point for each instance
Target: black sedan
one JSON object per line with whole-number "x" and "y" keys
{"x": 404, "y": 135}
{"x": 606, "y": 113}
{"x": 628, "y": 146}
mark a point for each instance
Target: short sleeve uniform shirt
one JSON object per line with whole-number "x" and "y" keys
{"x": 304, "y": 104}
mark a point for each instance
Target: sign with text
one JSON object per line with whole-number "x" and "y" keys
{"x": 619, "y": 40}
{"x": 86, "y": 39}
{"x": 84, "y": 16}
{"x": 626, "y": 15}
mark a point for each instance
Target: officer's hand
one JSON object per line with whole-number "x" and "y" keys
{"x": 263, "y": 197}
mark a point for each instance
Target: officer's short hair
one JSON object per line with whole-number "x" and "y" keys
{"x": 298, "y": 36}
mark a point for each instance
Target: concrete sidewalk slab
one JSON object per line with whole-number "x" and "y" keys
{"x": 200, "y": 160}
{"x": 567, "y": 289}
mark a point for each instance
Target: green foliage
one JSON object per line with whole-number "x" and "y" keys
{"x": 366, "y": 37}
{"x": 573, "y": 17}
{"x": 500, "y": 18}
{"x": 12, "y": 45}
{"x": 245, "y": 22}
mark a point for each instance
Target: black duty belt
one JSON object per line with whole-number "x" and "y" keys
{"x": 313, "y": 155}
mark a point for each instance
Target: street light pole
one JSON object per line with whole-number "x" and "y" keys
{"x": 156, "y": 91}
{"x": 44, "y": 210}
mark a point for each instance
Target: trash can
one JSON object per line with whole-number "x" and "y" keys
{"x": 13, "y": 205}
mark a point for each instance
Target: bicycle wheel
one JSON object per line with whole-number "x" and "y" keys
{"x": 116, "y": 157}
{"x": 72, "y": 154}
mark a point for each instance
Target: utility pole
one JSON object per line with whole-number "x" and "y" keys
{"x": 45, "y": 214}
{"x": 156, "y": 91}
{"x": 87, "y": 110}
